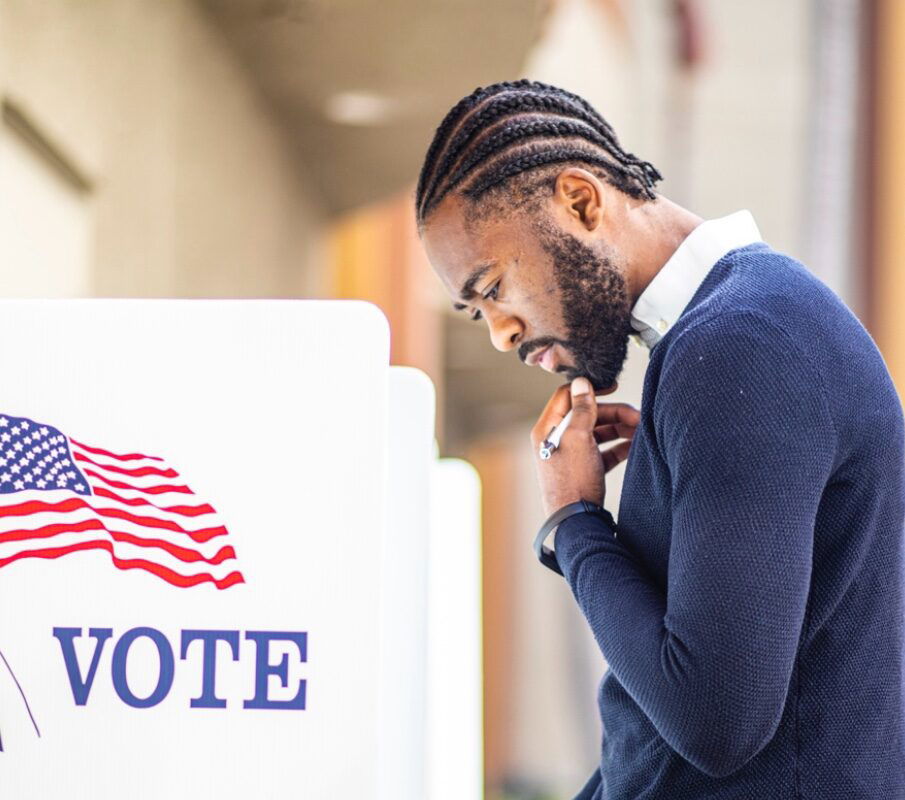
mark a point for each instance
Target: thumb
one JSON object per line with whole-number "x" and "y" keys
{"x": 584, "y": 410}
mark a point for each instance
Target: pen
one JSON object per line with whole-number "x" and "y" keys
{"x": 549, "y": 444}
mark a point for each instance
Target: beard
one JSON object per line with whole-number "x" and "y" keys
{"x": 595, "y": 305}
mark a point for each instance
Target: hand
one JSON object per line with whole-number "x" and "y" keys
{"x": 615, "y": 421}
{"x": 576, "y": 469}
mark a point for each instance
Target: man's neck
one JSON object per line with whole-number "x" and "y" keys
{"x": 658, "y": 228}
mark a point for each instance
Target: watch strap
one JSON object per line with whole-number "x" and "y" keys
{"x": 547, "y": 556}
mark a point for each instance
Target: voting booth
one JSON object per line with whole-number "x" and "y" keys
{"x": 218, "y": 521}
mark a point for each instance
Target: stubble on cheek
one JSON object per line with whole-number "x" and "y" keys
{"x": 549, "y": 322}
{"x": 593, "y": 302}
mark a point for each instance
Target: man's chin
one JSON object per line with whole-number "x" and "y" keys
{"x": 571, "y": 374}
{"x": 599, "y": 381}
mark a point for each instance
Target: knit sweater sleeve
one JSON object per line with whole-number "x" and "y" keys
{"x": 743, "y": 423}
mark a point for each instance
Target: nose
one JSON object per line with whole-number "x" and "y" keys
{"x": 505, "y": 331}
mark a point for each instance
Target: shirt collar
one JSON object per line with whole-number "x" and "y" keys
{"x": 665, "y": 297}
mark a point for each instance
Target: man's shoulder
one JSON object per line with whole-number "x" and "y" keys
{"x": 746, "y": 347}
{"x": 729, "y": 330}
{"x": 757, "y": 287}
{"x": 729, "y": 377}
{"x": 782, "y": 288}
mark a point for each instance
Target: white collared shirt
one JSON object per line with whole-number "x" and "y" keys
{"x": 671, "y": 289}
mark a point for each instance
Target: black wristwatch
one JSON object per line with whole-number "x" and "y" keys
{"x": 545, "y": 554}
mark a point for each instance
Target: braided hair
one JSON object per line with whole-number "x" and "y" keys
{"x": 521, "y": 128}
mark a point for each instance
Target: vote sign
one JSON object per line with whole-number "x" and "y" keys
{"x": 191, "y": 506}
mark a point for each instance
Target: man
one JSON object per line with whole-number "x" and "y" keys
{"x": 749, "y": 601}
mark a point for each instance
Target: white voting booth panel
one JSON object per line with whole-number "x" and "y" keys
{"x": 431, "y": 703}
{"x": 234, "y": 660}
{"x": 455, "y": 763}
{"x": 404, "y": 563}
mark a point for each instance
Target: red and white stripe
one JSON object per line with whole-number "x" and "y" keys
{"x": 140, "y": 512}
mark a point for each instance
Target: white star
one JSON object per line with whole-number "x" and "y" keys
{"x": 18, "y": 446}
{"x": 41, "y": 483}
{"x": 71, "y": 475}
{"x": 65, "y": 462}
{"x": 19, "y": 485}
{"x": 79, "y": 486}
{"x": 44, "y": 431}
{"x": 4, "y": 437}
{"x": 37, "y": 469}
{"x": 2, "y": 462}
{"x": 15, "y": 430}
{"x": 10, "y": 453}
{"x": 28, "y": 478}
{"x": 5, "y": 477}
{"x": 24, "y": 425}
{"x": 3, "y": 422}
{"x": 15, "y": 469}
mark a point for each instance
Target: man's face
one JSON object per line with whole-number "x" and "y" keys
{"x": 544, "y": 292}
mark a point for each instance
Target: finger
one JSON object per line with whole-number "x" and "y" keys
{"x": 557, "y": 407}
{"x": 604, "y": 433}
{"x": 584, "y": 406}
{"x": 615, "y": 455}
{"x": 618, "y": 413}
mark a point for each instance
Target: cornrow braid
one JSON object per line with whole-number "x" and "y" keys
{"x": 503, "y": 106}
{"x": 516, "y": 127}
{"x": 442, "y": 132}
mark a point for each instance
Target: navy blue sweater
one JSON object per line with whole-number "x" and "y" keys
{"x": 749, "y": 600}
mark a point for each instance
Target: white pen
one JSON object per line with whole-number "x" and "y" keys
{"x": 549, "y": 444}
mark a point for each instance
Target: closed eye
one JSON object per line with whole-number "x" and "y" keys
{"x": 492, "y": 294}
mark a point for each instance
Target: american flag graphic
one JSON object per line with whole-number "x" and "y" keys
{"x": 59, "y": 496}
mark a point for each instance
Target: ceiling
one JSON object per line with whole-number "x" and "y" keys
{"x": 414, "y": 58}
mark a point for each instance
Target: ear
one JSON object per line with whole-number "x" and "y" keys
{"x": 582, "y": 196}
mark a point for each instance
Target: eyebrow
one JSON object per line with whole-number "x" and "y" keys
{"x": 467, "y": 292}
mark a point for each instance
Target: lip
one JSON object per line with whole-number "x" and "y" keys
{"x": 534, "y": 357}
{"x": 546, "y": 359}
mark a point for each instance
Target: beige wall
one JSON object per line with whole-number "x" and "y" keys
{"x": 734, "y": 136}
{"x": 196, "y": 190}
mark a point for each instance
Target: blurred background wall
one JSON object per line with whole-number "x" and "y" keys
{"x": 163, "y": 164}
{"x": 270, "y": 148}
